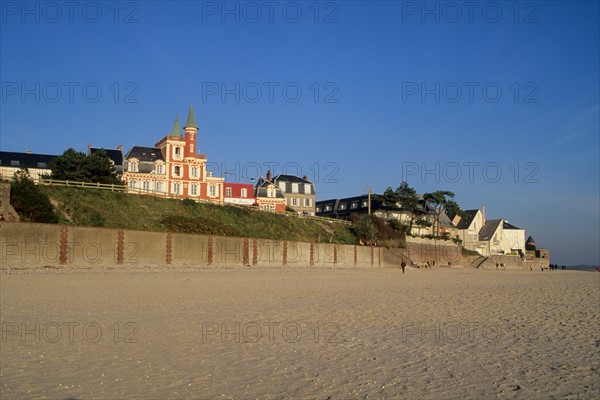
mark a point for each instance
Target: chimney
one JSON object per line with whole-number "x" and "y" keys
{"x": 120, "y": 147}
{"x": 305, "y": 177}
{"x": 483, "y": 213}
{"x": 28, "y": 151}
{"x": 89, "y": 149}
{"x": 269, "y": 175}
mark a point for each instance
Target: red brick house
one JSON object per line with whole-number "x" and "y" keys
{"x": 173, "y": 167}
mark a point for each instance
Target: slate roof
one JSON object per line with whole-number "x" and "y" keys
{"x": 489, "y": 228}
{"x": 377, "y": 204}
{"x": 509, "y": 226}
{"x": 145, "y": 154}
{"x": 260, "y": 189}
{"x": 115, "y": 155}
{"x": 465, "y": 222}
{"x": 285, "y": 183}
{"x": 28, "y": 160}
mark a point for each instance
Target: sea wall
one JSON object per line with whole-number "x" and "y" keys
{"x": 515, "y": 262}
{"x": 32, "y": 245}
{"x": 443, "y": 252}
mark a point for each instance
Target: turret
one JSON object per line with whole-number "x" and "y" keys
{"x": 191, "y": 128}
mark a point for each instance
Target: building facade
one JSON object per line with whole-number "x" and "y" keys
{"x": 173, "y": 167}
{"x": 269, "y": 196}
{"x": 241, "y": 194}
{"x": 299, "y": 193}
{"x": 37, "y": 164}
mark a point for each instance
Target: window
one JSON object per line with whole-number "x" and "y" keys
{"x": 177, "y": 151}
{"x": 365, "y": 203}
{"x": 244, "y": 192}
{"x": 267, "y": 207}
{"x": 228, "y": 192}
{"x": 177, "y": 170}
{"x": 307, "y": 203}
{"x": 159, "y": 187}
{"x": 14, "y": 163}
{"x": 146, "y": 186}
{"x": 212, "y": 191}
{"x": 132, "y": 166}
{"x": 194, "y": 189}
{"x": 41, "y": 165}
{"x": 319, "y": 209}
{"x": 328, "y": 207}
{"x": 132, "y": 184}
{"x": 343, "y": 206}
{"x": 160, "y": 169}
{"x": 176, "y": 187}
{"x": 191, "y": 148}
{"x": 194, "y": 172}
{"x": 354, "y": 204}
{"x": 294, "y": 202}
{"x": 294, "y": 188}
{"x": 307, "y": 188}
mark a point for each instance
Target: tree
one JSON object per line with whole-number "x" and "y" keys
{"x": 76, "y": 166}
{"x": 28, "y": 200}
{"x": 101, "y": 169}
{"x": 407, "y": 196}
{"x": 70, "y": 166}
{"x": 440, "y": 201}
{"x": 390, "y": 197}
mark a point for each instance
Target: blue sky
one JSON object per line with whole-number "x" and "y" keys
{"x": 498, "y": 103}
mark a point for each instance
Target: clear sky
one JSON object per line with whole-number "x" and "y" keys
{"x": 495, "y": 101}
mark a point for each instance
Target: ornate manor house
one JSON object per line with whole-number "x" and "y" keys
{"x": 173, "y": 167}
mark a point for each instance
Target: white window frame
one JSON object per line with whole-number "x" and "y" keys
{"x": 228, "y": 192}
{"x": 244, "y": 192}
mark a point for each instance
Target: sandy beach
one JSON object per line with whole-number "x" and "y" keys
{"x": 442, "y": 333}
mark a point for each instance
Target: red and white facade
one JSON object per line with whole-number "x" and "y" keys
{"x": 173, "y": 167}
{"x": 239, "y": 193}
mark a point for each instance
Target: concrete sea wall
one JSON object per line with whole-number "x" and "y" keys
{"x": 31, "y": 245}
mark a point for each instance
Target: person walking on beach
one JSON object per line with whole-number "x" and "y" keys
{"x": 403, "y": 265}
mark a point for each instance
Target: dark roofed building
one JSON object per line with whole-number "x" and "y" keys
{"x": 299, "y": 192}
{"x": 489, "y": 229}
{"x": 37, "y": 164}
{"x": 269, "y": 196}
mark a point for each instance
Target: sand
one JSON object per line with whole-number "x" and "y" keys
{"x": 442, "y": 333}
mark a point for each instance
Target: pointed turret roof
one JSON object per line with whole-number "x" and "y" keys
{"x": 191, "y": 119}
{"x": 176, "y": 128}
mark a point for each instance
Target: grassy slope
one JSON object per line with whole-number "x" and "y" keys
{"x": 88, "y": 207}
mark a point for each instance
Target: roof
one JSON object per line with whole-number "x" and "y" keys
{"x": 466, "y": 221}
{"x": 191, "y": 119}
{"x": 506, "y": 225}
{"x": 145, "y": 154}
{"x": 176, "y": 128}
{"x": 285, "y": 183}
{"x": 28, "y": 160}
{"x": 115, "y": 155}
{"x": 489, "y": 229}
{"x": 260, "y": 190}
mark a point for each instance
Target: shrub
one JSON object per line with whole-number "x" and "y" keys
{"x": 28, "y": 201}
